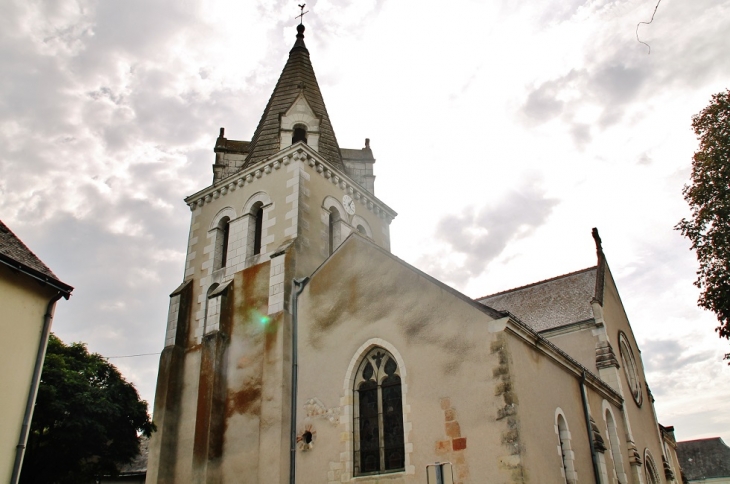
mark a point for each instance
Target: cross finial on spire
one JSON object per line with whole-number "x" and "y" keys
{"x": 301, "y": 15}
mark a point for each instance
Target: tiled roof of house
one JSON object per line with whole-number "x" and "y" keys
{"x": 297, "y": 77}
{"x": 550, "y": 303}
{"x": 704, "y": 458}
{"x": 16, "y": 254}
{"x": 138, "y": 465}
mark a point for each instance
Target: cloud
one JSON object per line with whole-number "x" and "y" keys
{"x": 470, "y": 240}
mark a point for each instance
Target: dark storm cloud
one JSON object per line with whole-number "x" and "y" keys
{"x": 480, "y": 236}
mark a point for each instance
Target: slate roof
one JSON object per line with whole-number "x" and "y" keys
{"x": 363, "y": 154}
{"x": 15, "y": 253}
{"x": 550, "y": 303}
{"x": 704, "y": 458}
{"x": 297, "y": 77}
{"x": 231, "y": 146}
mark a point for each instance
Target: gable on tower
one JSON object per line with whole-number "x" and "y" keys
{"x": 299, "y": 123}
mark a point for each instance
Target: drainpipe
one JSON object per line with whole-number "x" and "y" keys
{"x": 298, "y": 286}
{"x": 586, "y": 413}
{"x": 30, "y": 404}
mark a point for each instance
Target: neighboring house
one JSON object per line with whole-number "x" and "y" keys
{"x": 705, "y": 460}
{"x": 299, "y": 349}
{"x": 28, "y": 295}
{"x": 135, "y": 471}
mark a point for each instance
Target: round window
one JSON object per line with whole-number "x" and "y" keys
{"x": 630, "y": 368}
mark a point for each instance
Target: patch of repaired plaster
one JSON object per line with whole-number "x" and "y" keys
{"x": 453, "y": 447}
{"x": 314, "y": 408}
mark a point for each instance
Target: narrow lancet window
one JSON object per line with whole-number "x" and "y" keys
{"x": 258, "y": 225}
{"x": 221, "y": 243}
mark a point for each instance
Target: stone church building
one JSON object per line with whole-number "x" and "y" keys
{"x": 300, "y": 350}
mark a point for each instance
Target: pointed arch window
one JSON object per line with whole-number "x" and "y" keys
{"x": 378, "y": 415}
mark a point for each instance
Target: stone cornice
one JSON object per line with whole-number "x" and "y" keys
{"x": 298, "y": 153}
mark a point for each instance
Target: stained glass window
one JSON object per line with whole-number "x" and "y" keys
{"x": 378, "y": 415}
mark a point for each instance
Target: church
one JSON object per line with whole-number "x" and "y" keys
{"x": 300, "y": 350}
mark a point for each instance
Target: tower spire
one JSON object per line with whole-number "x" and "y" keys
{"x": 297, "y": 78}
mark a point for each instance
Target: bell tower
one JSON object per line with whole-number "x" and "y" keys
{"x": 278, "y": 206}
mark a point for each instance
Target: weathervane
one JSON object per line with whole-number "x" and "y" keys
{"x": 301, "y": 14}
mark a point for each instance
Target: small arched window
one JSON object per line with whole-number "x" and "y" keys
{"x": 334, "y": 229}
{"x": 630, "y": 368}
{"x": 221, "y": 242}
{"x": 378, "y": 415}
{"x": 299, "y": 134}
{"x": 362, "y": 230}
{"x": 614, "y": 445}
{"x": 652, "y": 474}
{"x": 566, "y": 451}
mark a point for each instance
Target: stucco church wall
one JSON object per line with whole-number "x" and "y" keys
{"x": 314, "y": 218}
{"x": 579, "y": 344}
{"x": 23, "y": 303}
{"x": 362, "y": 296}
{"x": 544, "y": 387}
{"x": 642, "y": 419}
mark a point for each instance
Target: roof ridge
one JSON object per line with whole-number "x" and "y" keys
{"x": 537, "y": 283}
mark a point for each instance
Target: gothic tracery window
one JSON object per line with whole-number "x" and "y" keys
{"x": 378, "y": 417}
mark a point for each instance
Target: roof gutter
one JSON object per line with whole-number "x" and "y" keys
{"x": 63, "y": 289}
{"x": 34, "y": 383}
{"x": 587, "y": 416}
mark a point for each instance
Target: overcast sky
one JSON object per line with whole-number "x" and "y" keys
{"x": 503, "y": 130}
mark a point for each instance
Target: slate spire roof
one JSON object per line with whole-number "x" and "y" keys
{"x": 297, "y": 77}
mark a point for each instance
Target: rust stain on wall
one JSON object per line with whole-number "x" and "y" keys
{"x": 245, "y": 401}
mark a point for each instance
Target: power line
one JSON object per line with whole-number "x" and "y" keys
{"x": 647, "y": 23}
{"x": 132, "y": 356}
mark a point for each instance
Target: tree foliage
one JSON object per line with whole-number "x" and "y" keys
{"x": 86, "y": 420}
{"x": 708, "y": 196}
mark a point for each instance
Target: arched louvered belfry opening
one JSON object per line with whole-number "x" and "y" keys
{"x": 334, "y": 229}
{"x": 221, "y": 241}
{"x": 299, "y": 134}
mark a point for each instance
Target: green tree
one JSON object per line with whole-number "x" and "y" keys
{"x": 708, "y": 196}
{"x": 87, "y": 419}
